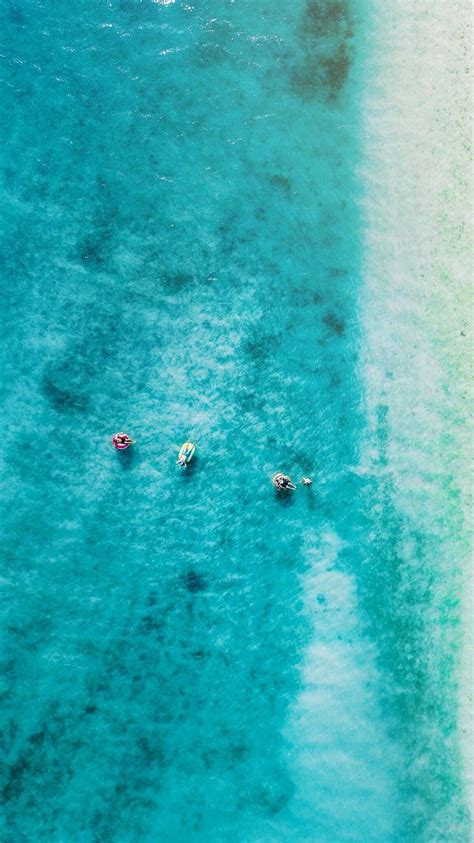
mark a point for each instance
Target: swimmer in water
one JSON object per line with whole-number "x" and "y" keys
{"x": 121, "y": 440}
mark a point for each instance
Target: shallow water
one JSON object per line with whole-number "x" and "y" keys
{"x": 188, "y": 657}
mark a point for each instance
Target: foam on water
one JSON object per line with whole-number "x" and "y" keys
{"x": 340, "y": 755}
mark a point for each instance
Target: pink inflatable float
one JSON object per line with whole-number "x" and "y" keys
{"x": 121, "y": 441}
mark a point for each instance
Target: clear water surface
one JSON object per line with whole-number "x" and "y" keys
{"x": 186, "y": 657}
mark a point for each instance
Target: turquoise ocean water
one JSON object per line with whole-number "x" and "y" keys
{"x": 186, "y": 657}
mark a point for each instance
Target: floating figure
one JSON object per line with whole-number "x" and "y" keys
{"x": 306, "y": 481}
{"x": 186, "y": 453}
{"x": 282, "y": 483}
{"x": 121, "y": 441}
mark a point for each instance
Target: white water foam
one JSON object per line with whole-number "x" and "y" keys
{"x": 345, "y": 795}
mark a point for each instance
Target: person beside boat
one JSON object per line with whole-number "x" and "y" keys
{"x": 283, "y": 483}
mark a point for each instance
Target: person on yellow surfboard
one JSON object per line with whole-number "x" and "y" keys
{"x": 186, "y": 453}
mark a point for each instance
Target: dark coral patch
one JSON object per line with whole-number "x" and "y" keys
{"x": 16, "y": 778}
{"x": 248, "y": 402}
{"x": 323, "y": 17}
{"x": 326, "y": 36}
{"x": 66, "y": 381}
{"x": 15, "y": 15}
{"x": 91, "y": 251}
{"x": 38, "y": 738}
{"x": 208, "y": 55}
{"x": 95, "y": 249}
{"x": 194, "y": 582}
{"x": 61, "y": 397}
{"x": 261, "y": 347}
{"x": 150, "y": 624}
{"x": 282, "y": 182}
{"x": 336, "y": 69}
{"x": 177, "y": 282}
{"x": 335, "y": 323}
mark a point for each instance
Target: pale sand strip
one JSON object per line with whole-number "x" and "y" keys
{"x": 417, "y": 305}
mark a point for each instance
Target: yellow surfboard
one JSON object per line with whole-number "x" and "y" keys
{"x": 186, "y": 453}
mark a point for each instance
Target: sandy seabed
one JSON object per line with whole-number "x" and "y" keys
{"x": 418, "y": 358}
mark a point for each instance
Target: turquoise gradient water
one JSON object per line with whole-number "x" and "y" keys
{"x": 187, "y": 657}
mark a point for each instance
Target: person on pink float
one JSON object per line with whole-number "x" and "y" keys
{"x": 121, "y": 441}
